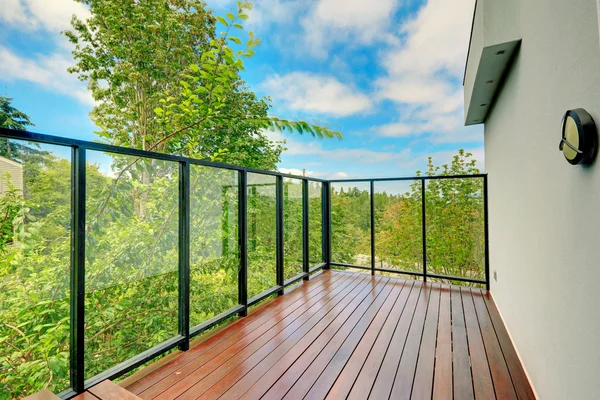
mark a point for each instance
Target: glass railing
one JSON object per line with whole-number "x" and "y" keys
{"x": 111, "y": 257}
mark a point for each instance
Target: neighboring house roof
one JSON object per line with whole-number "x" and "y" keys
{"x": 12, "y": 162}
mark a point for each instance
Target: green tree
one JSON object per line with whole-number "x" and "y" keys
{"x": 162, "y": 58}
{"x": 12, "y": 118}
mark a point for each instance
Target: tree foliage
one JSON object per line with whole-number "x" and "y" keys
{"x": 165, "y": 81}
{"x": 454, "y": 211}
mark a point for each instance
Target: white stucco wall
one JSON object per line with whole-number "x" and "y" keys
{"x": 545, "y": 213}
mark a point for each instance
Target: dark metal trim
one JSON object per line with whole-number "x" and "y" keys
{"x": 279, "y": 240}
{"x": 401, "y": 272}
{"x": 317, "y": 267}
{"x": 372, "y": 190}
{"x": 184, "y": 255}
{"x": 305, "y": 229}
{"x": 337, "y": 264}
{"x": 486, "y": 233}
{"x": 457, "y": 278}
{"x": 408, "y": 178}
{"x": 198, "y": 329}
{"x": 326, "y": 224}
{"x": 67, "y": 394}
{"x": 424, "y": 229}
{"x": 77, "y": 303}
{"x": 265, "y": 294}
{"x": 134, "y": 362}
{"x": 294, "y": 279}
{"x": 95, "y": 146}
{"x": 243, "y": 241}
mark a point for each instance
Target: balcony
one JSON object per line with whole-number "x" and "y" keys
{"x": 181, "y": 278}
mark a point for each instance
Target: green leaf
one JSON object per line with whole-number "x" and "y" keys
{"x": 222, "y": 20}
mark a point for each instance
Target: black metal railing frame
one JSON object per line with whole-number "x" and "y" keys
{"x": 79, "y": 150}
{"x": 424, "y": 274}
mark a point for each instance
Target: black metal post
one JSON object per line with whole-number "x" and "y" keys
{"x": 184, "y": 254}
{"x": 280, "y": 261}
{"x": 243, "y": 239}
{"x": 326, "y": 212}
{"x": 78, "y": 187}
{"x": 486, "y": 228}
{"x": 305, "y": 229}
{"x": 372, "y": 228}
{"x": 424, "y": 229}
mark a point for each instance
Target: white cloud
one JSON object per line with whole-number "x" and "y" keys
{"x": 355, "y": 155}
{"x": 50, "y": 72}
{"x": 52, "y": 16}
{"x": 315, "y": 174}
{"x": 346, "y": 21}
{"x": 418, "y": 161}
{"x": 316, "y": 94}
{"x": 395, "y": 129}
{"x": 266, "y": 12}
{"x": 424, "y": 73}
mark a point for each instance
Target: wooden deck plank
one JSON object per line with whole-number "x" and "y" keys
{"x": 461, "y": 363}
{"x": 349, "y": 335}
{"x": 239, "y": 337}
{"x": 517, "y": 373}
{"x": 442, "y": 379}
{"x": 403, "y": 383}
{"x": 377, "y": 375}
{"x": 107, "y": 390}
{"x": 320, "y": 376}
{"x": 499, "y": 370}
{"x": 422, "y": 386}
{"x": 246, "y": 325}
{"x": 85, "y": 396}
{"x": 384, "y": 382}
{"x": 241, "y": 348}
{"x": 304, "y": 372}
{"x": 480, "y": 368}
{"x": 367, "y": 357}
{"x": 292, "y": 348}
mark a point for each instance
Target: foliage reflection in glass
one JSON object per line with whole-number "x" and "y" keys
{"x": 131, "y": 258}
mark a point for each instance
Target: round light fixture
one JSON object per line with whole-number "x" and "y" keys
{"x": 579, "y": 142}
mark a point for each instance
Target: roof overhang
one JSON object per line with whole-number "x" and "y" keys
{"x": 492, "y": 64}
{"x": 495, "y": 39}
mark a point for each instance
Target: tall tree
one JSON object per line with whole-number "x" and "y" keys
{"x": 139, "y": 58}
{"x": 11, "y": 118}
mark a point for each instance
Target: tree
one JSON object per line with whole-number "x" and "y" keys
{"x": 161, "y": 58}
{"x": 11, "y": 118}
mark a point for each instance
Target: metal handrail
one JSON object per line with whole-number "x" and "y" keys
{"x": 79, "y": 149}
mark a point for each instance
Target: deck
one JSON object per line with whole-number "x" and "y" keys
{"x": 349, "y": 335}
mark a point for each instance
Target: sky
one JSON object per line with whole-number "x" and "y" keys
{"x": 386, "y": 73}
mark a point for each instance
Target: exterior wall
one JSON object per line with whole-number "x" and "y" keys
{"x": 15, "y": 170}
{"x": 545, "y": 213}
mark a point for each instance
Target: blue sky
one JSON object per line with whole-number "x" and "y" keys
{"x": 386, "y": 73}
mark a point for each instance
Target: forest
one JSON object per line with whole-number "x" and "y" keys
{"x": 190, "y": 101}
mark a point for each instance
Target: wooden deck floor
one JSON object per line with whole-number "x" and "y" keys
{"x": 350, "y": 335}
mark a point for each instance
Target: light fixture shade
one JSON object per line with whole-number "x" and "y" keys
{"x": 579, "y": 142}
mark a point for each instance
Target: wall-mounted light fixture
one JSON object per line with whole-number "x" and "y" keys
{"x": 579, "y": 142}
